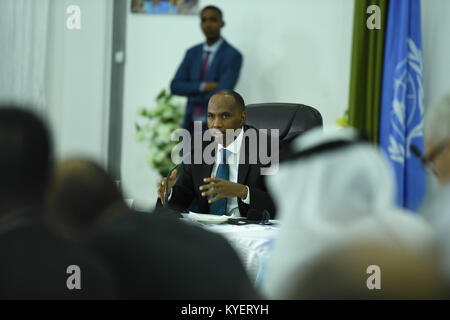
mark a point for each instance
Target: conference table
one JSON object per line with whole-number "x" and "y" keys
{"x": 252, "y": 243}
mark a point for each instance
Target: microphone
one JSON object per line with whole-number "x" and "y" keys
{"x": 418, "y": 154}
{"x": 254, "y": 216}
{"x": 427, "y": 164}
{"x": 166, "y": 187}
{"x": 262, "y": 217}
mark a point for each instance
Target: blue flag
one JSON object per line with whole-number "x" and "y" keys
{"x": 402, "y": 107}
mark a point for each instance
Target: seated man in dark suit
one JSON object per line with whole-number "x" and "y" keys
{"x": 206, "y": 68}
{"x": 232, "y": 183}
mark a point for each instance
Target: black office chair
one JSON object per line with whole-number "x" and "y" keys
{"x": 290, "y": 118}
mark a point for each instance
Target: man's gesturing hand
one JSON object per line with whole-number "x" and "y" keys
{"x": 223, "y": 188}
{"x": 161, "y": 187}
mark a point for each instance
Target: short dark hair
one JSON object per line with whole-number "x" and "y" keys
{"x": 26, "y": 156}
{"x": 237, "y": 98}
{"x": 79, "y": 192}
{"x": 213, "y": 8}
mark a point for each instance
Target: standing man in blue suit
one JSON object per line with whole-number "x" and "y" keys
{"x": 206, "y": 68}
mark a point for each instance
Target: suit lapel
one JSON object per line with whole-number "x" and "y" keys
{"x": 243, "y": 165}
{"x": 205, "y": 172}
{"x": 205, "y": 169}
{"x": 217, "y": 57}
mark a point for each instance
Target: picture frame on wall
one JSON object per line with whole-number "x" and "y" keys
{"x": 172, "y": 7}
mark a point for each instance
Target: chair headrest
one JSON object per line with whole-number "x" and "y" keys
{"x": 290, "y": 118}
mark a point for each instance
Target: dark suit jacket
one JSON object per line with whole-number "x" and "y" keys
{"x": 157, "y": 257}
{"x": 187, "y": 186}
{"x": 34, "y": 261}
{"x": 224, "y": 69}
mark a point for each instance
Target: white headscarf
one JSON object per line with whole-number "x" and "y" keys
{"x": 332, "y": 197}
{"x": 437, "y": 210}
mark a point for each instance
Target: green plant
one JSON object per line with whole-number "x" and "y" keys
{"x": 343, "y": 121}
{"x": 155, "y": 127}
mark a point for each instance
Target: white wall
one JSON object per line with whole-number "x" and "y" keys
{"x": 78, "y": 77}
{"x": 294, "y": 51}
{"x": 63, "y": 73}
{"x": 23, "y": 50}
{"x": 436, "y": 49}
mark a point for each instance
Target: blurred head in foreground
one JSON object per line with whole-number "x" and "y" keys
{"x": 25, "y": 161}
{"x": 437, "y": 138}
{"x": 82, "y": 195}
{"x": 437, "y": 151}
{"x": 343, "y": 191}
{"x": 34, "y": 260}
{"x": 371, "y": 270}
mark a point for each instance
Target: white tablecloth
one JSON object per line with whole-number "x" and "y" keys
{"x": 251, "y": 242}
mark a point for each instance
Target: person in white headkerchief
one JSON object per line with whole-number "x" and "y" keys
{"x": 436, "y": 206}
{"x": 437, "y": 146}
{"x": 341, "y": 192}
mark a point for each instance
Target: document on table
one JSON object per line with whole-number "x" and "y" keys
{"x": 207, "y": 218}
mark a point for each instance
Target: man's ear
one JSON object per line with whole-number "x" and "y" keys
{"x": 223, "y": 24}
{"x": 244, "y": 117}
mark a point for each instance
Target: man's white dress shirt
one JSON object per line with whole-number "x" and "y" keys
{"x": 233, "y": 163}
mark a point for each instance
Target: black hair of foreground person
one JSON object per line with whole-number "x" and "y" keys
{"x": 81, "y": 195}
{"x": 26, "y": 158}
